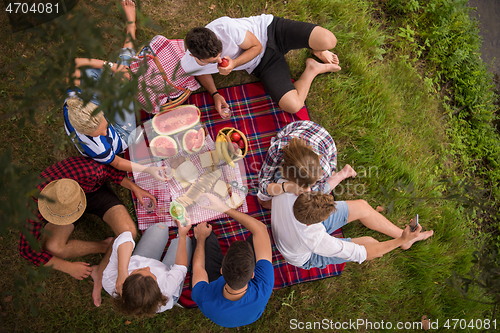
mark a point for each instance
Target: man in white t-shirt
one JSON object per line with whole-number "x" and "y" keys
{"x": 302, "y": 226}
{"x": 258, "y": 44}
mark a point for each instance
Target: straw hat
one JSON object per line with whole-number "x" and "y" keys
{"x": 63, "y": 201}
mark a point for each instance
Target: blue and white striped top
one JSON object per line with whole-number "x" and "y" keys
{"x": 102, "y": 148}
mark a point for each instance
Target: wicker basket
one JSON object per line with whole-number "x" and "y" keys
{"x": 229, "y": 130}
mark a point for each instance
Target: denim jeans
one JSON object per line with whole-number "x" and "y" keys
{"x": 153, "y": 242}
{"x": 125, "y": 124}
{"x": 336, "y": 220}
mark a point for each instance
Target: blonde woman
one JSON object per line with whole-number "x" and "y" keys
{"x": 92, "y": 134}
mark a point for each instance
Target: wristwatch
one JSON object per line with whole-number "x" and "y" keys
{"x": 110, "y": 64}
{"x": 283, "y": 187}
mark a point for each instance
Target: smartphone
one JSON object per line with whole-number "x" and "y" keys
{"x": 414, "y": 223}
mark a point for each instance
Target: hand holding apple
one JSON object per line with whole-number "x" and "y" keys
{"x": 225, "y": 66}
{"x": 224, "y": 63}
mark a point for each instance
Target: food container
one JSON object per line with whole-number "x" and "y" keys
{"x": 229, "y": 130}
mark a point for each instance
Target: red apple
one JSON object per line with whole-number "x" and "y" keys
{"x": 241, "y": 144}
{"x": 235, "y": 137}
{"x": 224, "y": 62}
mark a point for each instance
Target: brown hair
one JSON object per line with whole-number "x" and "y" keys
{"x": 203, "y": 43}
{"x": 238, "y": 264}
{"x": 141, "y": 297}
{"x": 313, "y": 207}
{"x": 300, "y": 163}
{"x": 80, "y": 116}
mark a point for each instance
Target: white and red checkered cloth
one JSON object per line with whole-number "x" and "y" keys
{"x": 169, "y": 52}
{"x": 165, "y": 192}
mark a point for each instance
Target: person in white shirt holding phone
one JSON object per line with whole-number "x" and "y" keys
{"x": 302, "y": 226}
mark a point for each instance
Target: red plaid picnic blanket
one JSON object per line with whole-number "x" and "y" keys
{"x": 169, "y": 52}
{"x": 255, "y": 114}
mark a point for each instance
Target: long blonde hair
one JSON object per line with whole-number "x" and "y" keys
{"x": 81, "y": 117}
{"x": 300, "y": 163}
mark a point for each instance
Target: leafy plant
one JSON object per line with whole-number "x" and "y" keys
{"x": 461, "y": 191}
{"x": 485, "y": 272}
{"x": 407, "y": 33}
{"x": 485, "y": 275}
{"x": 44, "y": 70}
{"x": 403, "y": 6}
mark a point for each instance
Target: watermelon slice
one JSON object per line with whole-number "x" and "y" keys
{"x": 163, "y": 146}
{"x": 176, "y": 120}
{"x": 193, "y": 140}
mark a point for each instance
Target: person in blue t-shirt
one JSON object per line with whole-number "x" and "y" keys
{"x": 93, "y": 135}
{"x": 239, "y": 296}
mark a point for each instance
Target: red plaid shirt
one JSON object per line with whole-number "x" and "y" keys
{"x": 90, "y": 174}
{"x": 316, "y": 136}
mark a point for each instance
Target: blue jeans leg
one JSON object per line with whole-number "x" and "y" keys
{"x": 126, "y": 123}
{"x": 94, "y": 74}
{"x": 153, "y": 242}
{"x": 336, "y": 220}
{"x": 169, "y": 259}
{"x": 126, "y": 54}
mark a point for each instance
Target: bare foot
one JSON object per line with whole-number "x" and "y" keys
{"x": 96, "y": 292}
{"x": 422, "y": 236}
{"x": 319, "y": 68}
{"x": 327, "y": 57}
{"x": 79, "y": 270}
{"x": 347, "y": 171}
{"x": 105, "y": 244}
{"x": 129, "y": 9}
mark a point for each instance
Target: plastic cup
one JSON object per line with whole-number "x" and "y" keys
{"x": 161, "y": 208}
{"x": 162, "y": 211}
{"x": 166, "y": 173}
{"x": 178, "y": 212}
{"x": 149, "y": 205}
{"x": 225, "y": 113}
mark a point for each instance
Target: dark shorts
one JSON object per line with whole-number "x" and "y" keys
{"x": 100, "y": 201}
{"x": 214, "y": 256}
{"x": 273, "y": 71}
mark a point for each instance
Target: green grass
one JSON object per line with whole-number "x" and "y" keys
{"x": 383, "y": 120}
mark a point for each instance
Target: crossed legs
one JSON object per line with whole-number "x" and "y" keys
{"x": 321, "y": 41}
{"x": 118, "y": 218}
{"x": 56, "y": 239}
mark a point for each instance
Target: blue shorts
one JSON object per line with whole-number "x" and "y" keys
{"x": 335, "y": 221}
